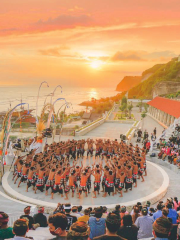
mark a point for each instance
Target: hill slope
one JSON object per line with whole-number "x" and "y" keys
{"x": 127, "y": 83}
{"x": 162, "y": 72}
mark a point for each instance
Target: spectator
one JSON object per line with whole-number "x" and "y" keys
{"x": 178, "y": 228}
{"x": 136, "y": 213}
{"x": 117, "y": 211}
{"x": 26, "y": 216}
{"x": 158, "y": 213}
{"x": 112, "y": 226}
{"x": 172, "y": 213}
{"x": 79, "y": 210}
{"x": 97, "y": 224}
{"x": 75, "y": 212}
{"x": 151, "y": 211}
{"x": 104, "y": 215}
{"x": 71, "y": 219}
{"x": 161, "y": 228}
{"x": 40, "y": 217}
{"x": 78, "y": 231}
{"x": 144, "y": 224}
{"x": 165, "y": 212}
{"x": 60, "y": 209}
{"x": 20, "y": 228}
{"x": 84, "y": 218}
{"x": 57, "y": 226}
{"x": 128, "y": 230}
{"x": 176, "y": 205}
{"x": 5, "y": 231}
{"x": 122, "y": 214}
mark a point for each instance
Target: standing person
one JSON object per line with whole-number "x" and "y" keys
{"x": 57, "y": 226}
{"x": 40, "y": 217}
{"x": 97, "y": 224}
{"x": 20, "y": 228}
{"x": 26, "y": 215}
{"x": 136, "y": 213}
{"x": 154, "y": 131}
{"x": 128, "y": 231}
{"x": 112, "y": 226}
{"x": 144, "y": 224}
{"x": 5, "y": 231}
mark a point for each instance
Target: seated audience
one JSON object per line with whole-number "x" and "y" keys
{"x": 71, "y": 219}
{"x": 20, "y": 228}
{"x": 144, "y": 224}
{"x": 40, "y": 217}
{"x": 78, "y": 231}
{"x": 128, "y": 230}
{"x": 161, "y": 228}
{"x": 57, "y": 226}
{"x": 5, "y": 231}
{"x": 84, "y": 218}
{"x": 97, "y": 224}
{"x": 112, "y": 226}
{"x": 26, "y": 216}
{"x": 158, "y": 213}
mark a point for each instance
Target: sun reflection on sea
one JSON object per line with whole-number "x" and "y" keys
{"x": 93, "y": 94}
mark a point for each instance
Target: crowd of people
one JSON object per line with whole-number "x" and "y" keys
{"x": 64, "y": 168}
{"x": 71, "y": 223}
{"x": 169, "y": 150}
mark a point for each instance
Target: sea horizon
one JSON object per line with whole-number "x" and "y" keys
{"x": 13, "y": 95}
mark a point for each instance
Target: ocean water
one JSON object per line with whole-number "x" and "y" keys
{"x": 10, "y": 96}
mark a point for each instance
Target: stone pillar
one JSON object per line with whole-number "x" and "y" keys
{"x": 168, "y": 120}
{"x": 172, "y": 119}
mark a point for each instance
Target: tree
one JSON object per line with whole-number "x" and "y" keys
{"x": 122, "y": 108}
{"x": 143, "y": 115}
{"x": 124, "y": 100}
{"x": 140, "y": 104}
{"x": 130, "y": 106}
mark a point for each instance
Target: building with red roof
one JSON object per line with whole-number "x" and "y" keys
{"x": 164, "y": 110}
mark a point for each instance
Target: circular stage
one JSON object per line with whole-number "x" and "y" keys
{"x": 153, "y": 189}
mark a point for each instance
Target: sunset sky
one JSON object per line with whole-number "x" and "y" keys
{"x": 89, "y": 43}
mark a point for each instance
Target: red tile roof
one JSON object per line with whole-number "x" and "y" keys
{"x": 172, "y": 107}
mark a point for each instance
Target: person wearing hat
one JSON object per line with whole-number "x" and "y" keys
{"x": 97, "y": 224}
{"x": 144, "y": 224}
{"x": 40, "y": 217}
{"x": 57, "y": 226}
{"x": 112, "y": 226}
{"x": 26, "y": 216}
{"x": 5, "y": 231}
{"x": 161, "y": 228}
{"x": 78, "y": 230}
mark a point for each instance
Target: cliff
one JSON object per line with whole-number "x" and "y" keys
{"x": 160, "y": 73}
{"x": 128, "y": 82}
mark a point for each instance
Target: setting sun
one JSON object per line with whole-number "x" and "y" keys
{"x": 96, "y": 64}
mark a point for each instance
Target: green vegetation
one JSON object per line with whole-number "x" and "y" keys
{"x": 164, "y": 72}
{"x": 125, "y": 108}
{"x": 23, "y": 125}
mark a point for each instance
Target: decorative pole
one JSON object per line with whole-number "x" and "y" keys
{"x": 6, "y": 130}
{"x": 38, "y": 99}
{"x": 54, "y": 91}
